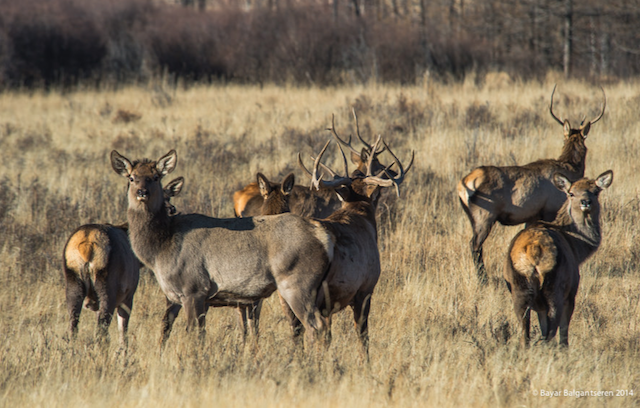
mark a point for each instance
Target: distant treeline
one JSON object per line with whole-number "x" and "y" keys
{"x": 322, "y": 42}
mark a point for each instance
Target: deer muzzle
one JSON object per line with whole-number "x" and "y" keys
{"x": 142, "y": 194}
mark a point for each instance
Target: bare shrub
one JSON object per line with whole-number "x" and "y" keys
{"x": 53, "y": 42}
{"x": 126, "y": 116}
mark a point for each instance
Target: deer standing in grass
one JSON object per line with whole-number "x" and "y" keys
{"x": 542, "y": 267}
{"x": 202, "y": 261}
{"x": 355, "y": 269}
{"x": 317, "y": 202}
{"x": 102, "y": 272}
{"x": 521, "y": 194}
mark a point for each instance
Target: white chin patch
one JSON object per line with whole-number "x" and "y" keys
{"x": 141, "y": 198}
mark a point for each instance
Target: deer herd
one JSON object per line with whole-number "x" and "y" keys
{"x": 317, "y": 245}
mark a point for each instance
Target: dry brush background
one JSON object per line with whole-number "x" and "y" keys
{"x": 437, "y": 337}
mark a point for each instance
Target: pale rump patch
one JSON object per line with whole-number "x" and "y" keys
{"x": 242, "y": 197}
{"x": 88, "y": 246}
{"x": 468, "y": 185}
{"x": 325, "y": 237}
{"x": 534, "y": 253}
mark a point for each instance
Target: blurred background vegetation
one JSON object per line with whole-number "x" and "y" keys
{"x": 63, "y": 43}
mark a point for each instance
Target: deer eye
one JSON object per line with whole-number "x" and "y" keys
{"x": 156, "y": 177}
{"x": 571, "y": 194}
{"x": 131, "y": 179}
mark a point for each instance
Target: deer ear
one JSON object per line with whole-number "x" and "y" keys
{"x": 121, "y": 164}
{"x": 567, "y": 128}
{"x": 585, "y": 130}
{"x": 605, "y": 179}
{"x": 174, "y": 187}
{"x": 287, "y": 184}
{"x": 356, "y": 158}
{"x": 167, "y": 163}
{"x": 264, "y": 185}
{"x": 561, "y": 182}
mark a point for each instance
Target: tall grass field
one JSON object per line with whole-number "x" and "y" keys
{"x": 438, "y": 337}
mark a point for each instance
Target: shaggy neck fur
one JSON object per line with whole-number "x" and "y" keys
{"x": 574, "y": 153}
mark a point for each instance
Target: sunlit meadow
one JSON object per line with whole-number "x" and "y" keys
{"x": 438, "y": 338}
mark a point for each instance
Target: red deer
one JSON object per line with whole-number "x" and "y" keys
{"x": 275, "y": 200}
{"x": 317, "y": 203}
{"x": 102, "y": 271}
{"x": 355, "y": 269}
{"x": 521, "y": 194}
{"x": 542, "y": 267}
{"x": 201, "y": 261}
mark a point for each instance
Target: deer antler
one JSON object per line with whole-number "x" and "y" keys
{"x": 337, "y": 180}
{"x": 368, "y": 149}
{"x": 604, "y": 104}
{"x": 340, "y": 141}
{"x": 551, "y": 107}
{"x": 398, "y": 179}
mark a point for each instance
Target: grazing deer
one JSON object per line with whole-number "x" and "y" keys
{"x": 202, "y": 261}
{"x": 355, "y": 269}
{"x": 542, "y": 267}
{"x": 102, "y": 271}
{"x": 521, "y": 194}
{"x": 317, "y": 203}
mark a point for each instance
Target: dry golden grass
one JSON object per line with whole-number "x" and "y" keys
{"x": 437, "y": 337}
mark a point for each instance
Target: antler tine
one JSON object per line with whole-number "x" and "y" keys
{"x": 340, "y": 141}
{"x": 337, "y": 180}
{"x": 302, "y": 165}
{"x": 315, "y": 181}
{"x": 604, "y": 104}
{"x": 372, "y": 155}
{"x": 389, "y": 181}
{"x": 353, "y": 110}
{"x": 325, "y": 168}
{"x": 400, "y": 177}
{"x": 551, "y": 107}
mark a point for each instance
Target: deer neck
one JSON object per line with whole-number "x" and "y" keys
{"x": 356, "y": 212}
{"x": 148, "y": 232}
{"x": 574, "y": 153}
{"x": 582, "y": 231}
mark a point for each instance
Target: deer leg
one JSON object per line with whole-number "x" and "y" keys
{"x": 75, "y": 293}
{"x": 361, "y": 307}
{"x": 565, "y": 319}
{"x": 302, "y": 303}
{"x": 107, "y": 305}
{"x": 196, "y": 314}
{"x": 523, "y": 313}
{"x": 124, "y": 312}
{"x": 297, "y": 328}
{"x": 553, "y": 318}
{"x": 480, "y": 234}
{"x": 543, "y": 320}
{"x": 170, "y": 315}
{"x": 243, "y": 319}
{"x": 253, "y": 318}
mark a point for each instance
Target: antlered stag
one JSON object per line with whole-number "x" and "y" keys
{"x": 355, "y": 269}
{"x": 521, "y": 194}
{"x": 102, "y": 272}
{"x": 201, "y": 261}
{"x": 542, "y": 267}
